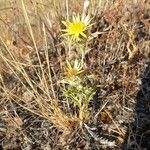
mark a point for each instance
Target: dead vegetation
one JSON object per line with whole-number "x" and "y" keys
{"x": 34, "y": 114}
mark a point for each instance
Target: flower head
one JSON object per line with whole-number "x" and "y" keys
{"x": 72, "y": 73}
{"x": 73, "y": 70}
{"x": 76, "y": 29}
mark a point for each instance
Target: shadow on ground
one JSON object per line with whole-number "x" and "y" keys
{"x": 138, "y": 135}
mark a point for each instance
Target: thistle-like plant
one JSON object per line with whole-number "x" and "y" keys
{"x": 75, "y": 89}
{"x": 77, "y": 92}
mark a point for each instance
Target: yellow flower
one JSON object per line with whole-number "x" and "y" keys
{"x": 76, "y": 29}
{"x": 72, "y": 71}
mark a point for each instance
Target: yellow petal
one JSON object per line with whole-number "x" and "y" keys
{"x": 66, "y": 23}
{"x": 83, "y": 34}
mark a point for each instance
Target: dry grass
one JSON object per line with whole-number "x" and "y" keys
{"x": 34, "y": 114}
